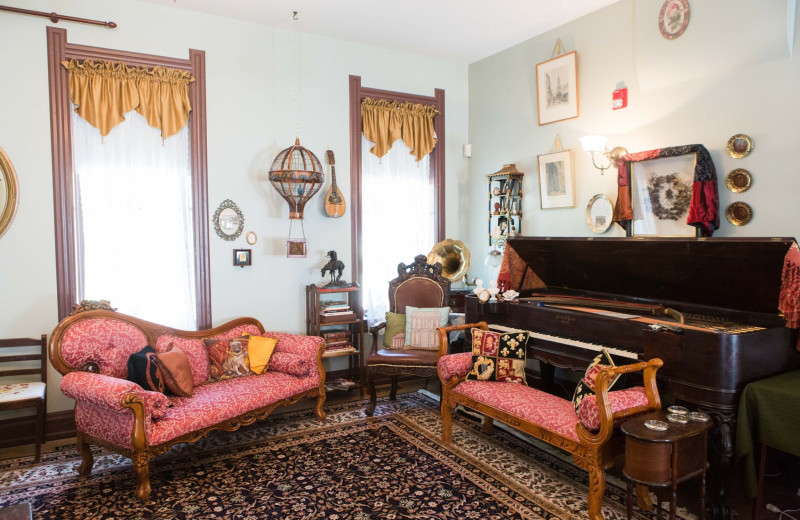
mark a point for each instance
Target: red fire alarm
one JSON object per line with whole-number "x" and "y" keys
{"x": 619, "y": 99}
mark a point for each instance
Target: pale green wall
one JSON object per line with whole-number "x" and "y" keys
{"x": 729, "y": 73}
{"x": 250, "y": 119}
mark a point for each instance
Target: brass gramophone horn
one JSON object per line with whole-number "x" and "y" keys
{"x": 454, "y": 257}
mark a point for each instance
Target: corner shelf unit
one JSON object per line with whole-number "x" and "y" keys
{"x": 351, "y": 327}
{"x": 505, "y": 205}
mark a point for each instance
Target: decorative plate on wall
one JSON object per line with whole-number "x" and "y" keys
{"x": 738, "y": 180}
{"x": 740, "y": 146}
{"x": 739, "y": 213}
{"x": 673, "y": 18}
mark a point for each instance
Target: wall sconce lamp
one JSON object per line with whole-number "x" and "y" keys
{"x": 595, "y": 145}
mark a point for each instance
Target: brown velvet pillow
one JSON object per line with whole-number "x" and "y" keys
{"x": 175, "y": 371}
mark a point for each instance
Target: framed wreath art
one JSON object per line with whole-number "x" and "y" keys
{"x": 668, "y": 192}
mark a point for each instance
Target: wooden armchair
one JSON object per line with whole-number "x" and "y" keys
{"x": 417, "y": 285}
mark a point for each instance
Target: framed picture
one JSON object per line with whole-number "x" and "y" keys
{"x": 557, "y": 88}
{"x": 670, "y": 192}
{"x": 296, "y": 248}
{"x": 241, "y": 257}
{"x": 556, "y": 180}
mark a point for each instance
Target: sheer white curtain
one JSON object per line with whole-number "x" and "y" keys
{"x": 134, "y": 230}
{"x": 397, "y": 219}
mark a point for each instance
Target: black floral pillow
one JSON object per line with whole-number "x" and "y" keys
{"x": 585, "y": 386}
{"x": 498, "y": 356}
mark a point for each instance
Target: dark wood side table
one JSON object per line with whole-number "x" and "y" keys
{"x": 661, "y": 459}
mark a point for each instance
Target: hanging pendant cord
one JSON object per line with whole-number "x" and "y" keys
{"x": 296, "y": 81}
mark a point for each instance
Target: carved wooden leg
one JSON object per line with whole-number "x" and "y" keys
{"x": 487, "y": 424}
{"x": 320, "y": 403}
{"x": 643, "y": 500}
{"x": 373, "y": 396}
{"x": 597, "y": 486}
{"x": 87, "y": 460}
{"x": 141, "y": 468}
{"x": 393, "y": 392}
{"x": 447, "y": 419}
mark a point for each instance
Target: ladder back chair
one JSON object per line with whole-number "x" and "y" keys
{"x": 18, "y": 391}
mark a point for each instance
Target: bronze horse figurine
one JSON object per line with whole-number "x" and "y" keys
{"x": 333, "y": 266}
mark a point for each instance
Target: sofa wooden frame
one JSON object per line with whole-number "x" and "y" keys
{"x": 142, "y": 451}
{"x": 594, "y": 452}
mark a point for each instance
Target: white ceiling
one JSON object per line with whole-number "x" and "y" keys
{"x": 460, "y": 30}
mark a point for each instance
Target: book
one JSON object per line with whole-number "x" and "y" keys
{"x": 336, "y": 335}
{"x": 336, "y": 313}
{"x": 339, "y": 318}
{"x": 335, "y": 307}
{"x": 334, "y": 346}
{"x": 345, "y": 341}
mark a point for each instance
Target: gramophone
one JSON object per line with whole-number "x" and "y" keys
{"x": 454, "y": 257}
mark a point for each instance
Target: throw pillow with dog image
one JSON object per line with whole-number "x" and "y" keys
{"x": 227, "y": 358}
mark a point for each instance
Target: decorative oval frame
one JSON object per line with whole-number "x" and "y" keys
{"x": 734, "y": 146}
{"x": 9, "y": 176}
{"x": 228, "y": 204}
{"x": 251, "y": 238}
{"x": 738, "y": 180}
{"x": 668, "y": 32}
{"x": 739, "y": 213}
{"x": 593, "y": 226}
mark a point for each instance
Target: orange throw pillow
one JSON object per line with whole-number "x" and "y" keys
{"x": 176, "y": 372}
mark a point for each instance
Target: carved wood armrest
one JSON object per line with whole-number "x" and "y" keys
{"x": 604, "y": 406}
{"x": 444, "y": 334}
{"x": 375, "y": 331}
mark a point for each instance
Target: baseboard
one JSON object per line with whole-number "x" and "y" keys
{"x": 22, "y": 430}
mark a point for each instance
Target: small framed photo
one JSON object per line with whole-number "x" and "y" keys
{"x": 556, "y": 180}
{"x": 241, "y": 257}
{"x": 296, "y": 248}
{"x": 557, "y": 88}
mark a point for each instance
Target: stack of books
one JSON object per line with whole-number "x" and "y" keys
{"x": 338, "y": 342}
{"x": 339, "y": 384}
{"x": 336, "y": 312}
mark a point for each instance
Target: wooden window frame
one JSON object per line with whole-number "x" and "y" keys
{"x": 59, "y": 50}
{"x": 357, "y": 94}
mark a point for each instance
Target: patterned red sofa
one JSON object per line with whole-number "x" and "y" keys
{"x": 92, "y": 348}
{"x": 587, "y": 435}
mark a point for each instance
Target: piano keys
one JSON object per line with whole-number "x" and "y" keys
{"x": 726, "y": 290}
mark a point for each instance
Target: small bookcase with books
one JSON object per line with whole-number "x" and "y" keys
{"x": 335, "y": 314}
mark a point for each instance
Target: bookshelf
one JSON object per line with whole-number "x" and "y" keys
{"x": 336, "y": 315}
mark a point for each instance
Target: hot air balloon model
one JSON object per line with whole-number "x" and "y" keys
{"x": 296, "y": 172}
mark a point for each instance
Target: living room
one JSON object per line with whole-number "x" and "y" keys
{"x": 702, "y": 87}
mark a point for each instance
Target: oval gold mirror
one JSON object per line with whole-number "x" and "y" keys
{"x": 228, "y": 220}
{"x": 9, "y": 192}
{"x": 599, "y": 213}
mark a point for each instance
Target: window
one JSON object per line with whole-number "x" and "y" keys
{"x": 130, "y": 208}
{"x": 398, "y": 203}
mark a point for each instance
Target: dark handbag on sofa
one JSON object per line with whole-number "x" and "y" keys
{"x": 143, "y": 370}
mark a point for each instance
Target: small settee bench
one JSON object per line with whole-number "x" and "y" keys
{"x": 588, "y": 434}
{"x": 91, "y": 349}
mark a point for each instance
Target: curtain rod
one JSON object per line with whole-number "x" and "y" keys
{"x": 55, "y": 17}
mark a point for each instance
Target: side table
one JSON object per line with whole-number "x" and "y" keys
{"x": 665, "y": 458}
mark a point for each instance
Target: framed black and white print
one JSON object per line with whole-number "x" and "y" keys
{"x": 557, "y": 88}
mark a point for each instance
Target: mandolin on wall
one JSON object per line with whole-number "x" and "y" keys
{"x": 334, "y": 200}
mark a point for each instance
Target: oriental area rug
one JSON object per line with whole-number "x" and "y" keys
{"x": 291, "y": 466}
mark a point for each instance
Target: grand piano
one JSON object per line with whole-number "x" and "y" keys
{"x": 707, "y": 307}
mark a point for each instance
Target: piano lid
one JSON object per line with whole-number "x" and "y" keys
{"x": 742, "y": 274}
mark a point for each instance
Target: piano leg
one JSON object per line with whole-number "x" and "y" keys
{"x": 721, "y": 465}
{"x": 548, "y": 373}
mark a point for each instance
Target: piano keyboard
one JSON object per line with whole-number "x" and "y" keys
{"x": 572, "y": 342}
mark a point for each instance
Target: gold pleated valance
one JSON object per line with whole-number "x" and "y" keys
{"x": 384, "y": 122}
{"x": 105, "y": 91}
